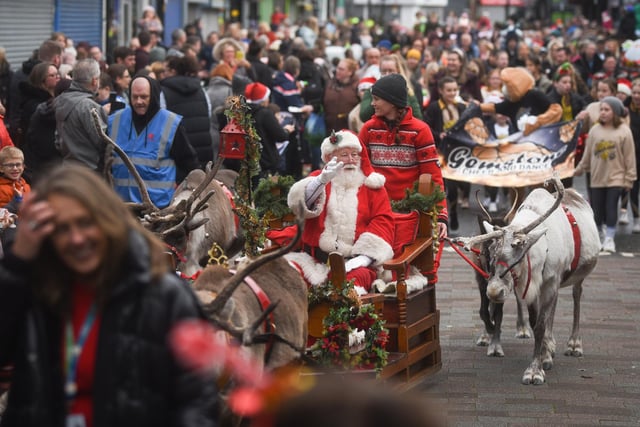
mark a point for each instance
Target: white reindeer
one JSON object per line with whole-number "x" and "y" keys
{"x": 543, "y": 249}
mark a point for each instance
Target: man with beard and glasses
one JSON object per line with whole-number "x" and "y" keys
{"x": 156, "y": 142}
{"x": 346, "y": 210}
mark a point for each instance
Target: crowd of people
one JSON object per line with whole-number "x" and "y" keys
{"x": 387, "y": 95}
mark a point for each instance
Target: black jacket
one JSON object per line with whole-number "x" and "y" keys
{"x": 184, "y": 95}
{"x": 30, "y": 97}
{"x": 270, "y": 132}
{"x": 137, "y": 380}
{"x": 577, "y": 102}
{"x": 39, "y": 145}
{"x": 433, "y": 117}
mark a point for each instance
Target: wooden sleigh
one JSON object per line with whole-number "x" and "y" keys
{"x": 412, "y": 319}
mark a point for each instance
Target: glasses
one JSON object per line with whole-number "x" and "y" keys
{"x": 12, "y": 165}
{"x": 347, "y": 156}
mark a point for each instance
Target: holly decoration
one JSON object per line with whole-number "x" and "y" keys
{"x": 346, "y": 316}
{"x": 253, "y": 226}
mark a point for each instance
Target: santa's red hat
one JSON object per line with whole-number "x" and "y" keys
{"x": 366, "y": 83}
{"x": 347, "y": 139}
{"x": 624, "y": 86}
{"x": 256, "y": 93}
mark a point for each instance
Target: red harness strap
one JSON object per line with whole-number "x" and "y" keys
{"x": 265, "y": 302}
{"x": 577, "y": 242}
{"x": 514, "y": 275}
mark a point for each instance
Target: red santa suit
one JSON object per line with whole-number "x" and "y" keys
{"x": 351, "y": 216}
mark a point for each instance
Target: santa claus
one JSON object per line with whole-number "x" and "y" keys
{"x": 346, "y": 210}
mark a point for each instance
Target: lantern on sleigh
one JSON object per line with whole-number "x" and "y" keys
{"x": 233, "y": 141}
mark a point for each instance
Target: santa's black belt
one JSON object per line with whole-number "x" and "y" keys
{"x": 316, "y": 252}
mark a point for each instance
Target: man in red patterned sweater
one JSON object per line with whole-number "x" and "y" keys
{"x": 400, "y": 146}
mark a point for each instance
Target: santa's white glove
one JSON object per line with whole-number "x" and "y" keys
{"x": 357, "y": 262}
{"x": 330, "y": 170}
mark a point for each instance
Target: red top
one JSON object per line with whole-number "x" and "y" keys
{"x": 83, "y": 297}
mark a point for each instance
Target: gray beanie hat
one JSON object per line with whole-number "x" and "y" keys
{"x": 392, "y": 88}
{"x": 615, "y": 104}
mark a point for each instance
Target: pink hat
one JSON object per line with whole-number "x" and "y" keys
{"x": 256, "y": 93}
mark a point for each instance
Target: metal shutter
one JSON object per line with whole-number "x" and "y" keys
{"x": 24, "y": 25}
{"x": 80, "y": 20}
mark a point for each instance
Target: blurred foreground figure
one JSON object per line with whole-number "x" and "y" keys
{"x": 87, "y": 301}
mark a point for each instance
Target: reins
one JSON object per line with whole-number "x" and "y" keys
{"x": 456, "y": 247}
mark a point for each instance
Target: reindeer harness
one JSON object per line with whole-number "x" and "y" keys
{"x": 265, "y": 303}
{"x": 577, "y": 244}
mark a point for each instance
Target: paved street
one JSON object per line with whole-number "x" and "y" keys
{"x": 601, "y": 388}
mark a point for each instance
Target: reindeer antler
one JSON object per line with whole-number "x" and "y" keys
{"x": 484, "y": 211}
{"x": 469, "y": 242}
{"x": 560, "y": 189}
{"x": 147, "y": 204}
{"x": 514, "y": 206}
{"x": 183, "y": 212}
{"x": 235, "y": 281}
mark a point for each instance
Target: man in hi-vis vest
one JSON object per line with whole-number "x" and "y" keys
{"x": 156, "y": 142}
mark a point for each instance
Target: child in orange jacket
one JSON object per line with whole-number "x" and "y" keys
{"x": 12, "y": 185}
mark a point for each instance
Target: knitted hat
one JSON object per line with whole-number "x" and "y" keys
{"x": 392, "y": 88}
{"x": 414, "y": 53}
{"x": 615, "y": 104}
{"x": 384, "y": 44}
{"x": 256, "y": 93}
{"x": 366, "y": 83}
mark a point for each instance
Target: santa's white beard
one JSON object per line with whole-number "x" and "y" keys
{"x": 350, "y": 176}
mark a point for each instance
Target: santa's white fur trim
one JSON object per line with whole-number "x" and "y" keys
{"x": 314, "y": 272}
{"x": 297, "y": 197}
{"x": 344, "y": 139}
{"x": 415, "y": 282}
{"x": 374, "y": 247}
{"x": 375, "y": 180}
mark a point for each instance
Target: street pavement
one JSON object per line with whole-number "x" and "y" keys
{"x": 602, "y": 388}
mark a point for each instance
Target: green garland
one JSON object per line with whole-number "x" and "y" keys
{"x": 253, "y": 226}
{"x": 345, "y": 316}
{"x": 416, "y": 201}
{"x": 271, "y": 194}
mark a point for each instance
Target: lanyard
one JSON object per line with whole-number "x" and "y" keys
{"x": 73, "y": 350}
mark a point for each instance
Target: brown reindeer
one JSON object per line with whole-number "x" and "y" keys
{"x": 267, "y": 298}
